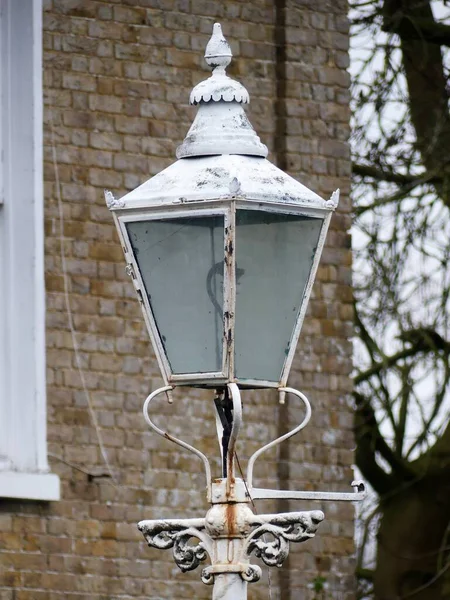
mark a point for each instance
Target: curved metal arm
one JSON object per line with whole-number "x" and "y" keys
{"x": 237, "y": 418}
{"x": 284, "y": 437}
{"x": 235, "y": 428}
{"x": 170, "y": 437}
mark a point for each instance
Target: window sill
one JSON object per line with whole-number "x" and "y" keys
{"x": 29, "y": 486}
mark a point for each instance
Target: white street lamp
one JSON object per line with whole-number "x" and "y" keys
{"x": 222, "y": 248}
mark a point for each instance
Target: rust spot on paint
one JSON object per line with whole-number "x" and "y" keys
{"x": 229, "y": 518}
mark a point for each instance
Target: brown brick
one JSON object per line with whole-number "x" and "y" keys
{"x": 124, "y": 14}
{"x": 108, "y": 104}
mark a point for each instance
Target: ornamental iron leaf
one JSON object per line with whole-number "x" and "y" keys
{"x": 282, "y": 529}
{"x": 112, "y": 202}
{"x": 177, "y": 534}
{"x": 272, "y": 552}
{"x": 187, "y": 556}
{"x": 159, "y": 534}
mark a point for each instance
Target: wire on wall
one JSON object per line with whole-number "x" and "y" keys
{"x": 69, "y": 309}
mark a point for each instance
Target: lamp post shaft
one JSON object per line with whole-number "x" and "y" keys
{"x": 229, "y": 586}
{"x": 230, "y": 552}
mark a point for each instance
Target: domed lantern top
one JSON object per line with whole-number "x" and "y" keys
{"x": 222, "y": 246}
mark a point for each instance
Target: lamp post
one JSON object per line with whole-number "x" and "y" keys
{"x": 222, "y": 248}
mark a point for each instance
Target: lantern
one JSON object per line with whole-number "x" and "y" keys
{"x": 222, "y": 246}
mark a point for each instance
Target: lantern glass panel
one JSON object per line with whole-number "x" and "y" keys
{"x": 274, "y": 258}
{"x": 181, "y": 261}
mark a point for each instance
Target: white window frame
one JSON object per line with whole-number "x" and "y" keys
{"x": 24, "y": 470}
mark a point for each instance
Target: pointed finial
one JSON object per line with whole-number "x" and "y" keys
{"x": 218, "y": 53}
{"x": 219, "y": 86}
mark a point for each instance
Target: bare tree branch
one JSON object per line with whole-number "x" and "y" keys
{"x": 421, "y": 340}
{"x": 385, "y": 175}
{"x": 426, "y": 81}
{"x": 436, "y": 461}
{"x": 399, "y": 195}
{"x": 369, "y": 442}
{"x": 365, "y": 459}
{"x": 421, "y": 28}
{"x": 365, "y": 574}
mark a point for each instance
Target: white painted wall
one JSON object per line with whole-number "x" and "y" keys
{"x": 23, "y": 448}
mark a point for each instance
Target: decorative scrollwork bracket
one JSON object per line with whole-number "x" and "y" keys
{"x": 176, "y": 534}
{"x": 270, "y": 541}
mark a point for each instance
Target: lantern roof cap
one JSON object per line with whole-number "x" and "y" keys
{"x": 222, "y": 156}
{"x": 212, "y": 178}
{"x": 221, "y": 125}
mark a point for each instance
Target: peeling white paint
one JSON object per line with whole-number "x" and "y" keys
{"x": 209, "y": 177}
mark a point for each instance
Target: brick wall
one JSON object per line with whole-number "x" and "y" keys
{"x": 117, "y": 77}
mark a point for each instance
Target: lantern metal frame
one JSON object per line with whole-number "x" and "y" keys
{"x": 226, "y": 207}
